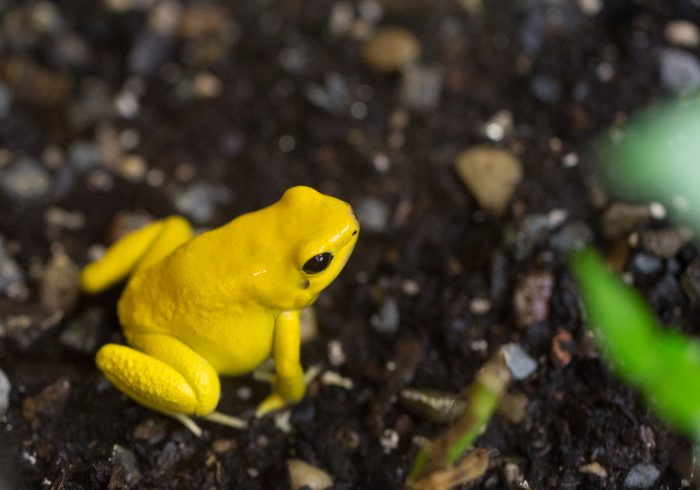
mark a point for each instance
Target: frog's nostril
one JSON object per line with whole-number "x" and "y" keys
{"x": 354, "y": 233}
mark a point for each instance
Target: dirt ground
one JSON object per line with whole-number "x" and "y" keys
{"x": 128, "y": 110}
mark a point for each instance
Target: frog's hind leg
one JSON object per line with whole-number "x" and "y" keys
{"x": 166, "y": 375}
{"x": 135, "y": 252}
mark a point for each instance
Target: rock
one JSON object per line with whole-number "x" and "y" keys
{"x": 133, "y": 168}
{"x": 390, "y": 49}
{"x": 621, "y": 218}
{"x": 62, "y": 219}
{"x": 420, "y": 87}
{"x": 682, "y": 33}
{"x": 303, "y": 475}
{"x": 531, "y": 298}
{"x": 573, "y": 236}
{"x": 679, "y": 70}
{"x": 333, "y": 96}
{"x": 512, "y": 407}
{"x": 336, "y": 354}
{"x": 647, "y": 264}
{"x": 491, "y": 175}
{"x": 690, "y": 281}
{"x": 387, "y": 320}
{"x": 60, "y": 285}
{"x": 308, "y": 324}
{"x": 665, "y": 243}
{"x": 206, "y": 85}
{"x": 546, "y": 89}
{"x": 201, "y": 21}
{"x": 81, "y": 333}
{"x": 47, "y": 406}
{"x": 199, "y": 200}
{"x": 127, "y": 460}
{"x": 151, "y": 432}
{"x": 24, "y": 324}
{"x": 520, "y": 364}
{"x": 642, "y": 476}
{"x": 594, "y": 469}
{"x": 5, "y": 387}
{"x": 590, "y": 7}
{"x": 373, "y": 215}
{"x": 514, "y": 477}
{"x": 11, "y": 276}
{"x": 24, "y": 178}
{"x": 221, "y": 446}
{"x": 149, "y": 52}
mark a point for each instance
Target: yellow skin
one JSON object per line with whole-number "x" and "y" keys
{"x": 220, "y": 303}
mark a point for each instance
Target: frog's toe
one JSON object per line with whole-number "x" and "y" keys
{"x": 270, "y": 404}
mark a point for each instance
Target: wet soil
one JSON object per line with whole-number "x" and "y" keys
{"x": 436, "y": 236}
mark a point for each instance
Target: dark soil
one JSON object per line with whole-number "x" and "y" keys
{"x": 437, "y": 236}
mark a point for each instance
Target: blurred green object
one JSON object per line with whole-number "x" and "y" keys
{"x": 657, "y": 156}
{"x": 662, "y": 363}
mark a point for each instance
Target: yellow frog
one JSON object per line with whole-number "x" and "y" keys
{"x": 220, "y": 303}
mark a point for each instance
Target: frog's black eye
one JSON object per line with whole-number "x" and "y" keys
{"x": 318, "y": 263}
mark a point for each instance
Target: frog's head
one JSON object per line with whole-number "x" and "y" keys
{"x": 315, "y": 235}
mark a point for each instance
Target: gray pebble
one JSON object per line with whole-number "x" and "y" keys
{"x": 642, "y": 476}
{"x": 546, "y": 89}
{"x": 521, "y": 365}
{"x": 127, "y": 460}
{"x": 26, "y": 179}
{"x": 647, "y": 264}
{"x": 81, "y": 333}
{"x": 679, "y": 69}
{"x": 333, "y": 97}
{"x": 388, "y": 318}
{"x": 11, "y": 276}
{"x": 574, "y": 236}
{"x": 373, "y": 215}
{"x": 84, "y": 155}
{"x": 5, "y": 387}
{"x": 149, "y": 53}
{"x": 421, "y": 87}
{"x": 199, "y": 200}
{"x": 665, "y": 243}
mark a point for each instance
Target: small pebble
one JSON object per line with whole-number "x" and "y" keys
{"x": 531, "y": 298}
{"x": 84, "y": 155}
{"x": 151, "y": 432}
{"x": 60, "y": 283}
{"x": 619, "y": 219}
{"x": 331, "y": 378}
{"x": 199, "y": 200}
{"x": 207, "y": 86}
{"x": 594, "y": 469}
{"x": 373, "y": 215}
{"x": 491, "y": 175}
{"x": 410, "y": 287}
{"x": 590, "y": 7}
{"x": 546, "y": 89}
{"x": 521, "y": 365}
{"x": 11, "y": 276}
{"x": 389, "y": 440}
{"x": 67, "y": 220}
{"x": 149, "y": 52}
{"x": 133, "y": 168}
{"x": 573, "y": 236}
{"x": 679, "y": 70}
{"x": 390, "y": 49}
{"x": 500, "y": 125}
{"x": 25, "y": 179}
{"x": 647, "y": 264}
{"x": 5, "y": 387}
{"x": 513, "y": 475}
{"x": 512, "y": 407}
{"x": 336, "y": 355}
{"x": 220, "y": 446}
{"x": 123, "y": 457}
{"x": 420, "y": 87}
{"x": 387, "y": 320}
{"x": 642, "y": 476}
{"x": 479, "y": 306}
{"x": 665, "y": 243}
{"x": 682, "y": 33}
{"x": 341, "y": 18}
{"x": 308, "y": 324}
{"x": 82, "y": 332}
{"x": 305, "y": 475}
{"x": 48, "y": 405}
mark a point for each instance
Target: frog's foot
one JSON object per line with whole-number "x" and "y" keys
{"x": 166, "y": 375}
{"x": 216, "y": 417}
{"x": 135, "y": 252}
{"x": 285, "y": 391}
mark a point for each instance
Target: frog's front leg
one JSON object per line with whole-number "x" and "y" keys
{"x": 289, "y": 385}
{"x": 164, "y": 374}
